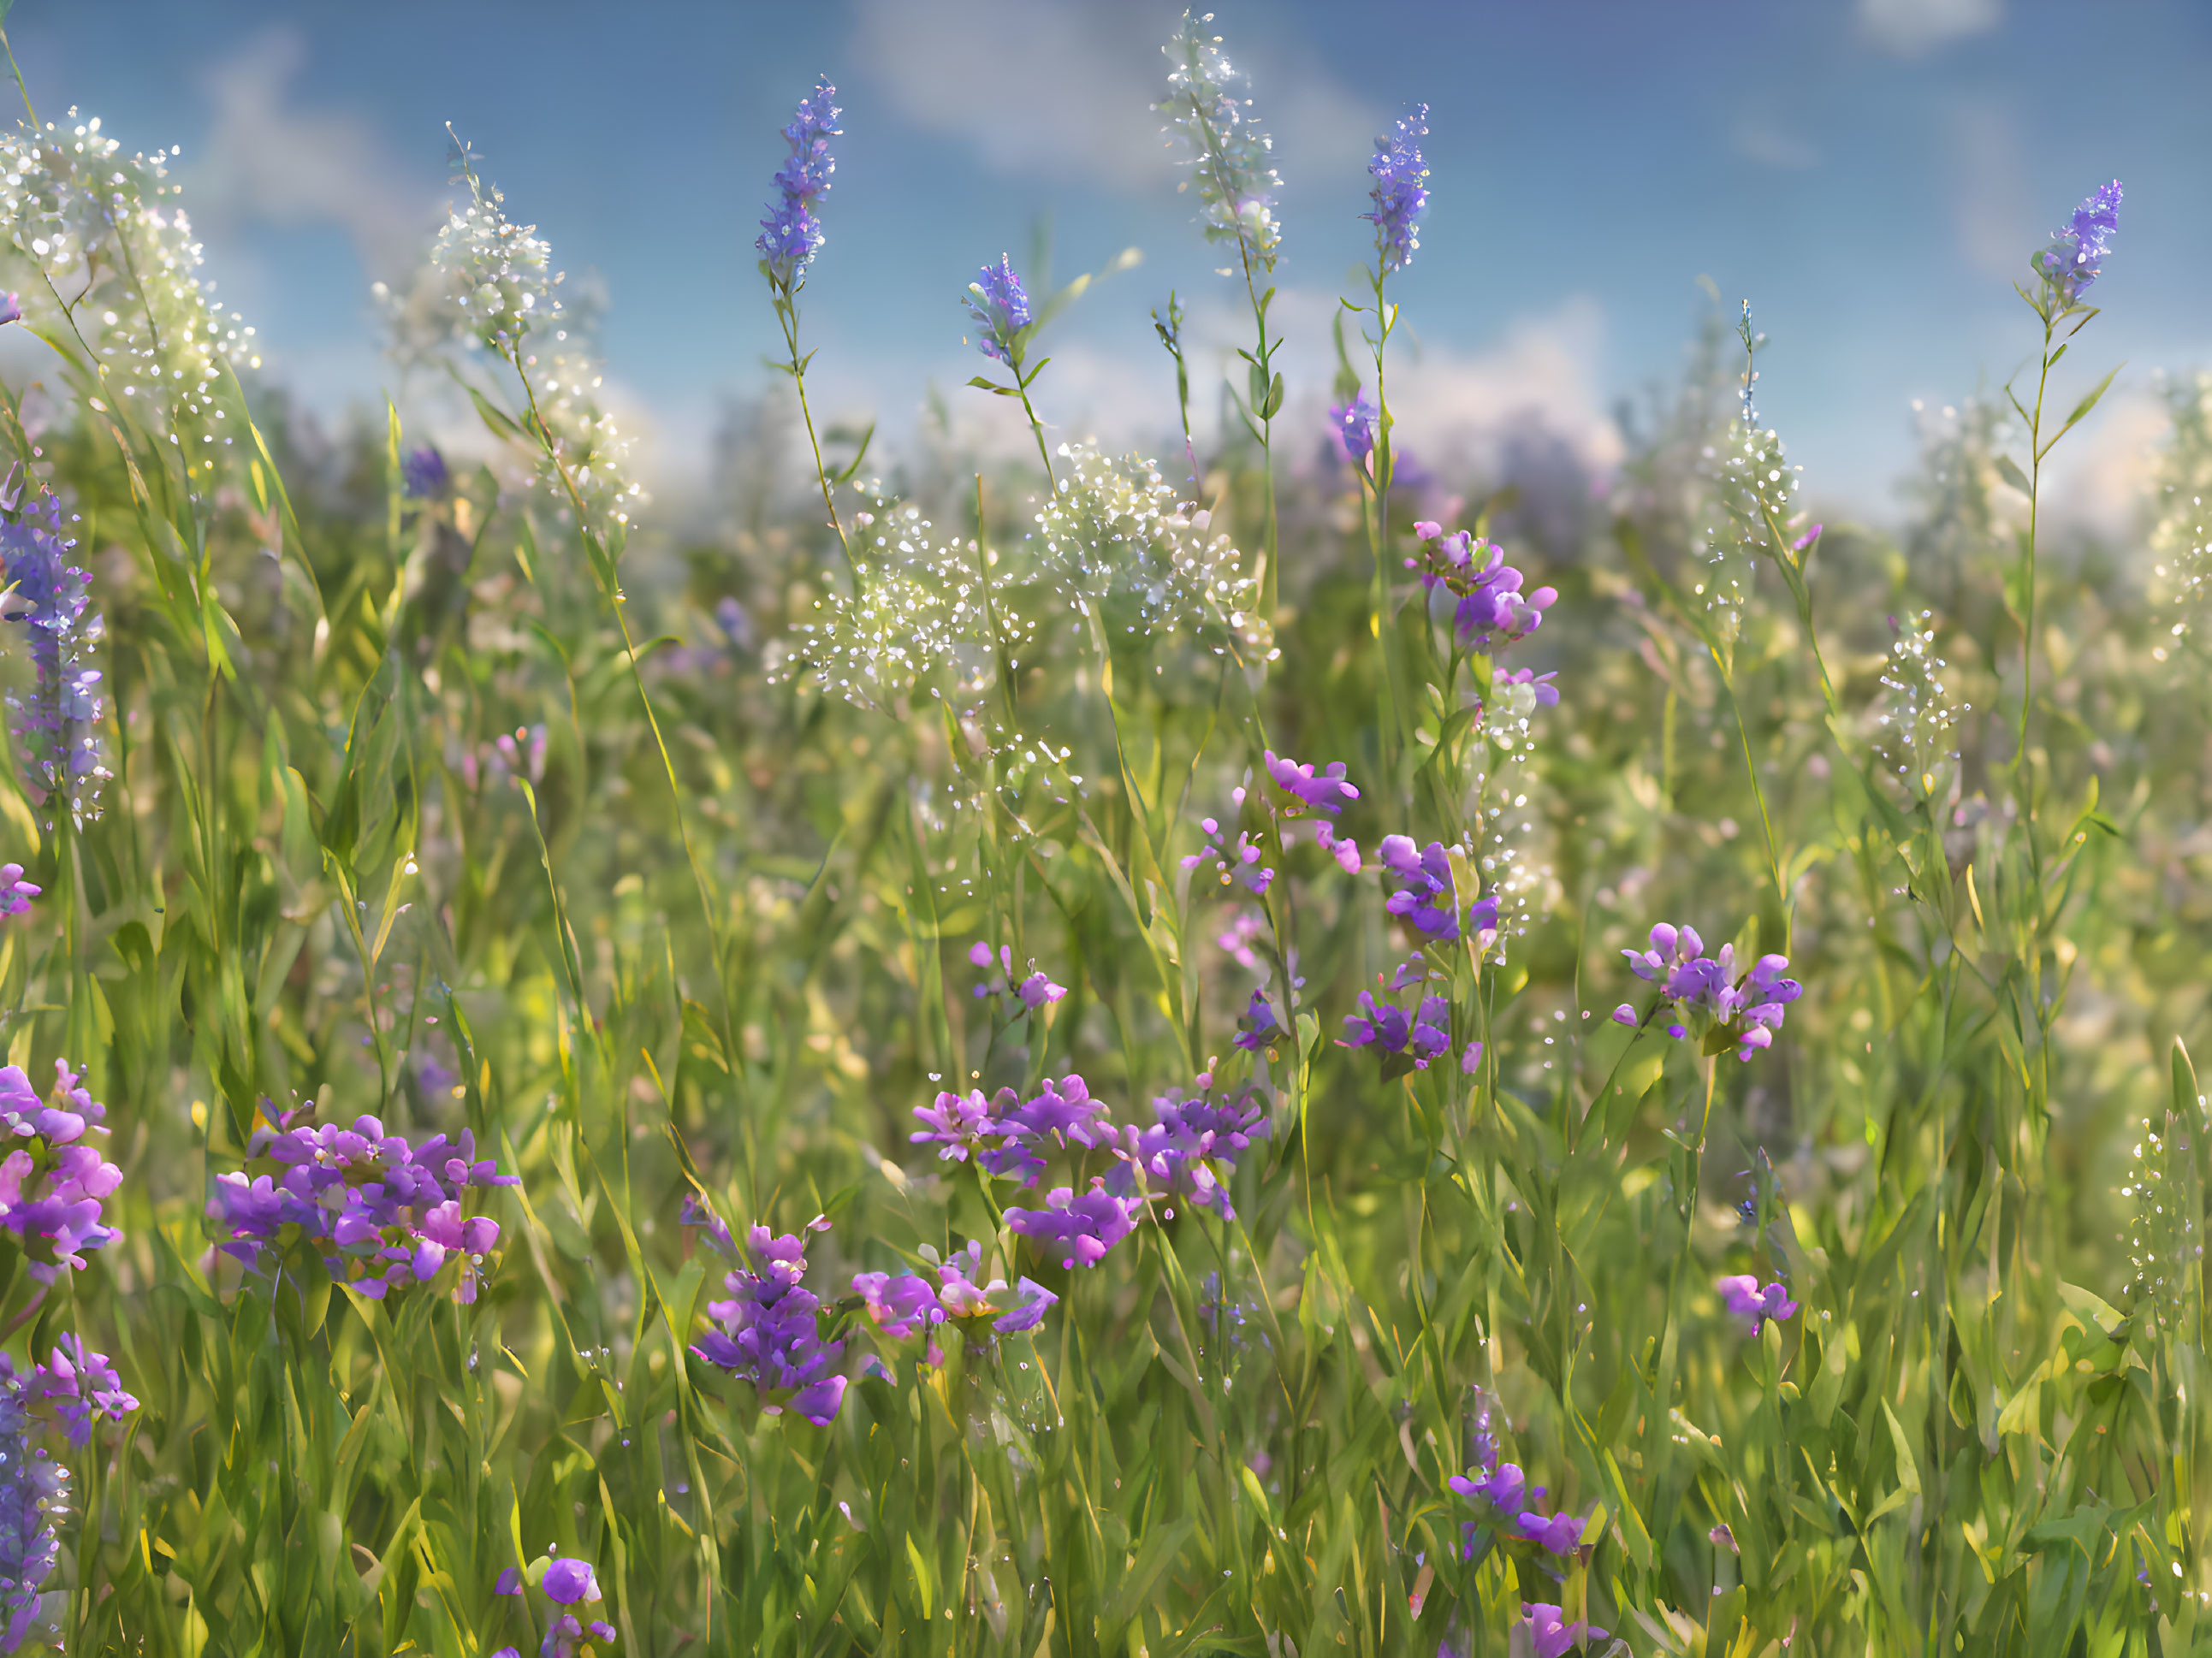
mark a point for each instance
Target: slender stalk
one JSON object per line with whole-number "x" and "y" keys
{"x": 786, "y": 315}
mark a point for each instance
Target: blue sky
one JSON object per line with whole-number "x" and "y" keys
{"x": 1870, "y": 174}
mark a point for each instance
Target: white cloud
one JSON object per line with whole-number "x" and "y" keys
{"x": 1911, "y": 28}
{"x": 1064, "y": 90}
{"x": 264, "y": 161}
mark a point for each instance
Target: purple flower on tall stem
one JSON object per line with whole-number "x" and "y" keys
{"x": 1426, "y": 897}
{"x": 1351, "y": 429}
{"x": 1551, "y": 1636}
{"x": 2076, "y": 254}
{"x": 791, "y": 233}
{"x": 1470, "y": 581}
{"x": 85, "y": 1384}
{"x": 1033, "y": 992}
{"x": 53, "y": 1183}
{"x": 1191, "y": 1147}
{"x": 770, "y": 1330}
{"x": 58, "y": 720}
{"x": 34, "y": 1493}
{"x": 570, "y": 1582}
{"x": 1400, "y": 197}
{"x": 422, "y": 474}
{"x": 1257, "y": 1026}
{"x": 1001, "y": 311}
{"x": 1238, "y": 864}
{"x": 1408, "y": 1038}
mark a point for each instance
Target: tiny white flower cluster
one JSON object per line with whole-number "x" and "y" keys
{"x": 1227, "y": 153}
{"x": 1917, "y": 730}
{"x": 106, "y": 230}
{"x": 2165, "y": 1238}
{"x": 489, "y": 284}
{"x": 1750, "y": 480}
{"x": 1113, "y": 550}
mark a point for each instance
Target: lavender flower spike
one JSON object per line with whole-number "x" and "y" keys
{"x": 58, "y": 721}
{"x": 1000, "y": 308}
{"x": 2076, "y": 254}
{"x": 1400, "y": 197}
{"x": 33, "y": 1495}
{"x": 1351, "y": 429}
{"x": 790, "y": 234}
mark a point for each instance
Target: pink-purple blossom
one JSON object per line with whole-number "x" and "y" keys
{"x": 768, "y": 1332}
{"x": 1234, "y": 866}
{"x": 1551, "y": 1636}
{"x": 16, "y": 893}
{"x": 1746, "y": 1298}
{"x": 83, "y": 1386}
{"x": 53, "y": 1183}
{"x": 1425, "y": 897}
{"x": 1078, "y": 1227}
{"x": 1470, "y": 582}
{"x": 1031, "y": 993}
{"x": 1191, "y": 1147}
{"x": 1705, "y": 992}
{"x": 1327, "y": 791}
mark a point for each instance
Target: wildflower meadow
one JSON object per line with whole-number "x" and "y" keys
{"x": 1072, "y": 1052}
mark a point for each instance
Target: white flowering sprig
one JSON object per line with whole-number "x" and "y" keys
{"x": 103, "y": 252}
{"x": 1917, "y": 734}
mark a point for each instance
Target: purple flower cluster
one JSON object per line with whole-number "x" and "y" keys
{"x": 1471, "y": 582}
{"x": 1704, "y": 991}
{"x": 382, "y": 1213}
{"x": 33, "y": 1494}
{"x": 1033, "y": 992}
{"x": 1351, "y": 429}
{"x": 770, "y": 1329}
{"x": 790, "y": 234}
{"x": 1748, "y": 1299}
{"x": 1408, "y": 1039}
{"x": 1079, "y": 1227}
{"x": 1425, "y": 898}
{"x": 1400, "y": 196}
{"x": 1551, "y": 1635}
{"x": 1257, "y": 1026}
{"x": 1194, "y": 1145}
{"x": 902, "y": 1304}
{"x": 57, "y": 720}
{"x": 16, "y": 893}
{"x": 1008, "y": 1136}
{"x": 1001, "y": 310}
{"x": 1503, "y": 1493}
{"x": 51, "y": 1182}
{"x": 2076, "y": 254}
{"x": 1327, "y": 792}
{"x": 84, "y": 1385}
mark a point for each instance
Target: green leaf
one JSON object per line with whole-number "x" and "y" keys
{"x": 2009, "y": 471}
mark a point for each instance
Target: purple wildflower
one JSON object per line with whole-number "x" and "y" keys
{"x": 1235, "y": 940}
{"x": 1540, "y": 684}
{"x": 1400, "y": 196}
{"x": 958, "y": 1124}
{"x": 696, "y": 1212}
{"x": 1342, "y": 848}
{"x": 509, "y": 1582}
{"x": 2076, "y": 254}
{"x": 790, "y": 234}
{"x": 961, "y": 1296}
{"x": 1748, "y": 1301}
{"x": 383, "y": 1214}
{"x": 1080, "y": 1229}
{"x": 1408, "y": 1039}
{"x": 11, "y": 309}
{"x": 1501, "y": 1487}
{"x": 52, "y": 1183}
{"x": 1191, "y": 1148}
{"x": 1551, "y": 1635}
{"x": 1001, "y": 309}
{"x": 769, "y": 1330}
{"x": 32, "y": 1494}
{"x": 1470, "y": 582}
{"x": 1425, "y": 898}
{"x": 1235, "y": 865}
{"x": 568, "y": 1581}
{"x": 422, "y": 474}
{"x": 1257, "y": 1026}
{"x": 1705, "y": 992}
{"x": 86, "y": 1385}
{"x": 58, "y": 720}
{"x": 897, "y": 1304}
{"x": 16, "y": 893}
{"x": 567, "y": 1632}
{"x": 1351, "y": 429}
{"x": 1560, "y": 1534}
{"x": 1327, "y": 794}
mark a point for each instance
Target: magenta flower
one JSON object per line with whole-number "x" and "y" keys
{"x": 1327, "y": 792}
{"x": 1080, "y": 1229}
{"x": 1469, "y": 581}
{"x": 1033, "y": 992}
{"x": 570, "y": 1582}
{"x": 1425, "y": 897}
{"x": 1343, "y": 848}
{"x": 1191, "y": 1148}
{"x": 85, "y": 1386}
{"x": 1560, "y": 1534}
{"x": 16, "y": 893}
{"x": 53, "y": 1185}
{"x": 1747, "y": 1300}
{"x": 1236, "y": 866}
{"x": 1705, "y": 992}
{"x": 1257, "y": 1026}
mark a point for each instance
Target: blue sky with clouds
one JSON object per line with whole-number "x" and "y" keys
{"x": 1870, "y": 174}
